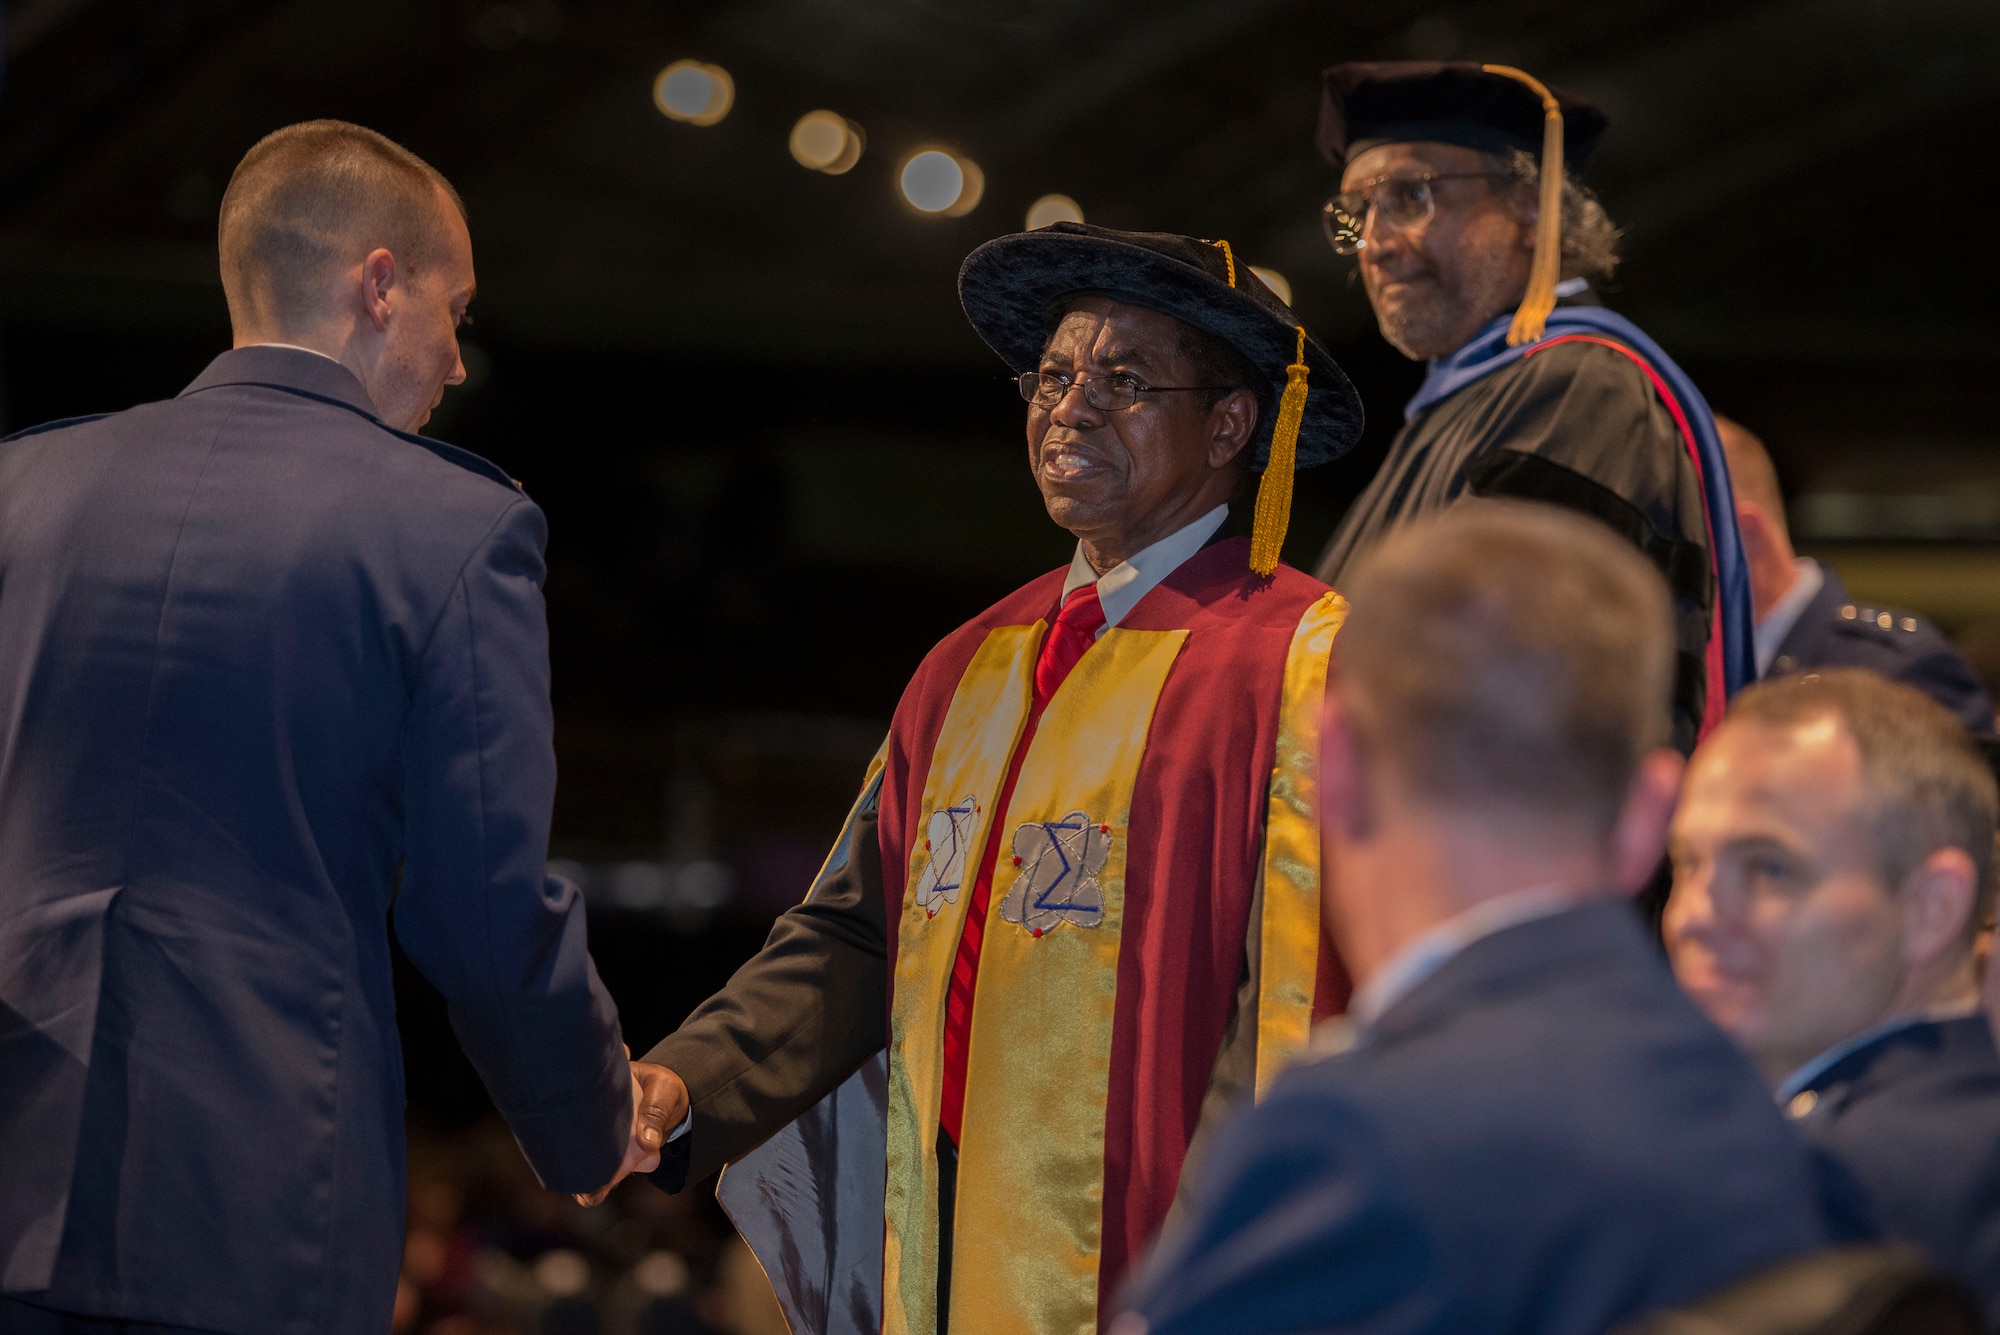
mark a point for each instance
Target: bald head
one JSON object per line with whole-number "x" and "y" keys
{"x": 1752, "y": 475}
{"x": 1760, "y": 517}
{"x": 312, "y": 200}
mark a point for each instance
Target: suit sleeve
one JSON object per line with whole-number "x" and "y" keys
{"x": 1299, "y": 1223}
{"x": 795, "y": 1021}
{"x": 478, "y": 913}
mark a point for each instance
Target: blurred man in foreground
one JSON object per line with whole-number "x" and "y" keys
{"x": 1477, "y": 247}
{"x": 269, "y": 664}
{"x": 1529, "y": 1127}
{"x": 1805, "y": 618}
{"x": 1833, "y": 856}
{"x": 1077, "y": 902}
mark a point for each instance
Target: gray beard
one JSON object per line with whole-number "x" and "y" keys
{"x": 1441, "y": 323}
{"x": 1424, "y": 331}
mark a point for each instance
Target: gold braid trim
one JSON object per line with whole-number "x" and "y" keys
{"x": 1228, "y": 255}
{"x": 1274, "y": 493}
{"x": 1532, "y": 315}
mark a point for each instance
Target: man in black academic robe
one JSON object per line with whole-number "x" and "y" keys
{"x": 1535, "y": 391}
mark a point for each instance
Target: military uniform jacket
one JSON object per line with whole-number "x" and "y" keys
{"x": 1836, "y": 631}
{"x": 1908, "y": 1127}
{"x": 268, "y": 666}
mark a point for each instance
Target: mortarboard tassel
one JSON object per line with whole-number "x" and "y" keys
{"x": 1228, "y": 255}
{"x": 1274, "y": 493}
{"x": 1533, "y": 313}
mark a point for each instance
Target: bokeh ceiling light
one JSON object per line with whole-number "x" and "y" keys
{"x": 1053, "y": 209}
{"x": 691, "y": 91}
{"x": 935, "y": 181}
{"x": 1276, "y": 281}
{"x": 827, "y": 142}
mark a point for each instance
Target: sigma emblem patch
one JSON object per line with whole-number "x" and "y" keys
{"x": 1060, "y": 861}
{"x": 947, "y": 836}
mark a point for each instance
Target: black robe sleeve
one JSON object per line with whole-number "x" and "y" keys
{"x": 794, "y": 1022}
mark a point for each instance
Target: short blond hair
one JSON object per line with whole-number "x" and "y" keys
{"x": 312, "y": 197}
{"x": 1512, "y": 657}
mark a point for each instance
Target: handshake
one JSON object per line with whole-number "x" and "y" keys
{"x": 659, "y": 1103}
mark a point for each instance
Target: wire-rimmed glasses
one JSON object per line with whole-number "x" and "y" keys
{"x": 1107, "y": 394}
{"x": 1403, "y": 202}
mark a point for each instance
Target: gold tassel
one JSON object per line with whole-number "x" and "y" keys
{"x": 1532, "y": 315}
{"x": 1274, "y": 493}
{"x": 1228, "y": 255}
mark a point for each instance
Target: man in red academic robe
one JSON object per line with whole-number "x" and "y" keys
{"x": 1075, "y": 912}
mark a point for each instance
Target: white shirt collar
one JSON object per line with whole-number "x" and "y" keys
{"x": 295, "y": 348}
{"x": 1778, "y": 622}
{"x": 1799, "y": 1080}
{"x": 1430, "y": 952}
{"x": 1120, "y": 588}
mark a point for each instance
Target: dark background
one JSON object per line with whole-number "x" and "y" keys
{"x": 778, "y": 465}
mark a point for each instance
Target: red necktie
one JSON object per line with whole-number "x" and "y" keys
{"x": 1074, "y": 631}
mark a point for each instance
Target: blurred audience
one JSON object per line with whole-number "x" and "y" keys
{"x": 1805, "y": 617}
{"x": 490, "y": 1253}
{"x": 1530, "y": 1126}
{"x": 1833, "y": 860}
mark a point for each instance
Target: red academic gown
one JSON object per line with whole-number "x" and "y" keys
{"x": 1079, "y": 1115}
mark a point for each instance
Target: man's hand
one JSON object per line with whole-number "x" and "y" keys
{"x": 659, "y": 1102}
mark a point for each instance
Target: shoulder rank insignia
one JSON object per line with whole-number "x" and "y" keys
{"x": 946, "y": 836}
{"x": 1883, "y": 618}
{"x": 1060, "y": 861}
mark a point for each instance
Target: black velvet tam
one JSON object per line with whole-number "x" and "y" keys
{"x": 1013, "y": 288}
{"x": 1363, "y": 104}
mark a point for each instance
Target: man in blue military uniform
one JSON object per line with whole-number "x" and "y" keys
{"x": 1805, "y": 616}
{"x": 1530, "y": 1128}
{"x": 272, "y": 664}
{"x": 1832, "y": 860}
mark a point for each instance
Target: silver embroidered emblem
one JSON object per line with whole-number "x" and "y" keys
{"x": 947, "y": 835}
{"x": 1060, "y": 861}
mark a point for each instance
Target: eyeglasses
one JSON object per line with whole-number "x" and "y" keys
{"x": 1107, "y": 394}
{"x": 1403, "y": 202}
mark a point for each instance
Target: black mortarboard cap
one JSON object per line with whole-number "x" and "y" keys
{"x": 1488, "y": 107}
{"x": 1365, "y": 103}
{"x": 1013, "y": 286}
